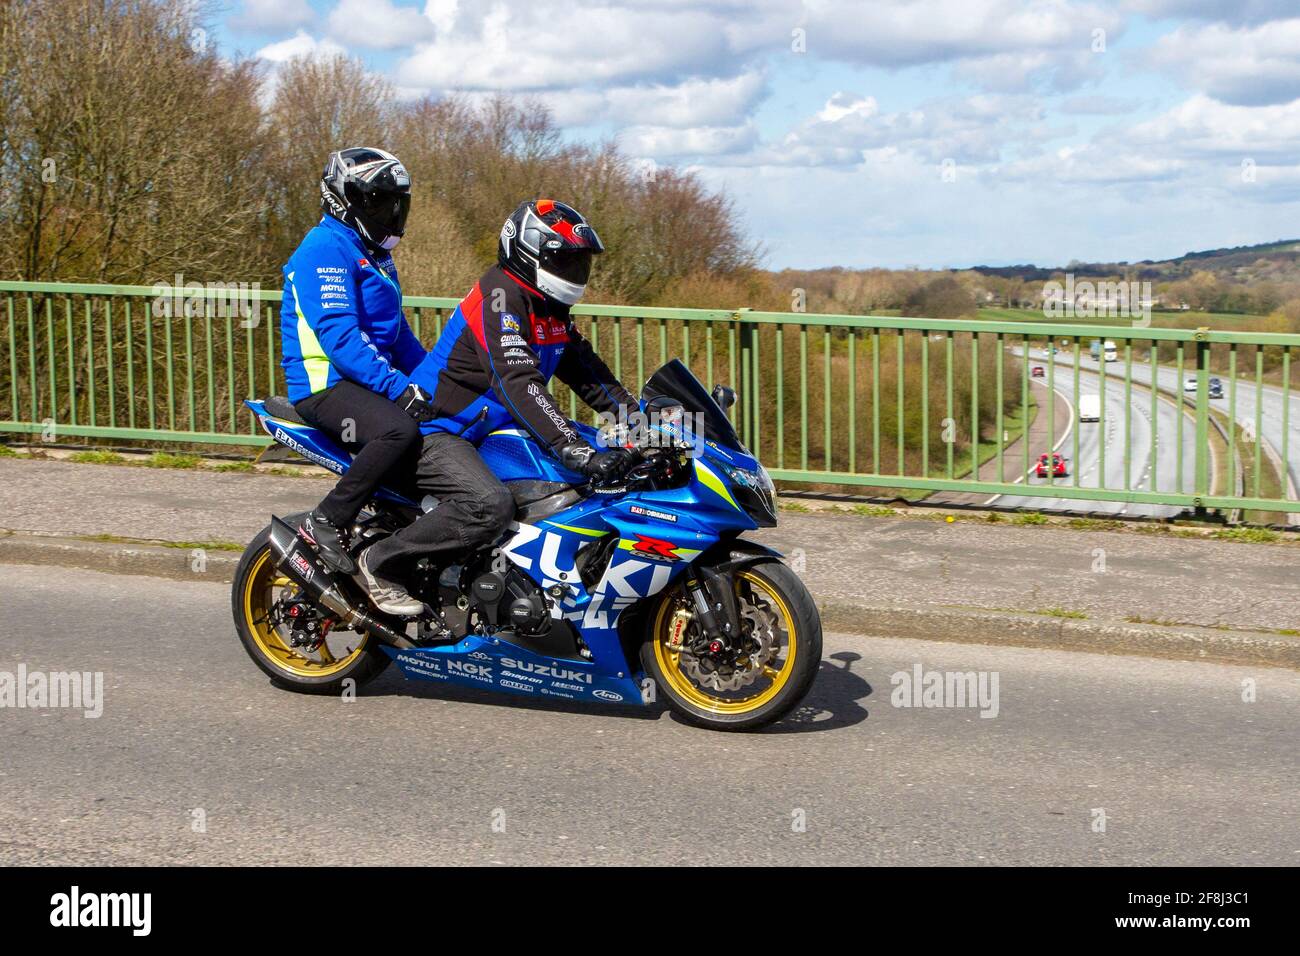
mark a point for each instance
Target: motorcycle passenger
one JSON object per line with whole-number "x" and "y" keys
{"x": 348, "y": 351}
{"x": 490, "y": 369}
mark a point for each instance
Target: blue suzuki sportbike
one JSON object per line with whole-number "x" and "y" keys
{"x": 608, "y": 594}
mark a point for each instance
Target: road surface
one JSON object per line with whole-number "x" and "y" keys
{"x": 1180, "y": 768}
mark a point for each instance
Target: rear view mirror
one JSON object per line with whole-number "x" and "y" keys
{"x": 725, "y": 397}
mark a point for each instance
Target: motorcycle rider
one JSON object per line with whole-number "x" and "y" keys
{"x": 347, "y": 349}
{"x": 490, "y": 369}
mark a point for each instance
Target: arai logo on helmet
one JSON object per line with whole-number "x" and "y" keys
{"x": 508, "y": 230}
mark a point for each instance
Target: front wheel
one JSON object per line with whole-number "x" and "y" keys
{"x": 771, "y": 672}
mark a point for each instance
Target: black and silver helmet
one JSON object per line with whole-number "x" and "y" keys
{"x": 549, "y": 246}
{"x": 369, "y": 190}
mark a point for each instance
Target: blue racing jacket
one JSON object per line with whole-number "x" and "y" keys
{"x": 341, "y": 317}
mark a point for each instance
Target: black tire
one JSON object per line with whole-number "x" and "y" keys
{"x": 247, "y": 597}
{"x": 803, "y": 670}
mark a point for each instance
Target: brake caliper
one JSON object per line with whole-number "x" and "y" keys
{"x": 304, "y": 621}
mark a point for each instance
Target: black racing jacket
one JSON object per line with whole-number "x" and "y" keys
{"x": 497, "y": 354}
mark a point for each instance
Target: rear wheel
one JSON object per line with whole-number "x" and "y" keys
{"x": 259, "y": 595}
{"x": 783, "y": 648}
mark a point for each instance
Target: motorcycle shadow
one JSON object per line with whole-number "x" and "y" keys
{"x": 833, "y": 703}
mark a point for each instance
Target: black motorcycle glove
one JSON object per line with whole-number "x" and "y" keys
{"x": 415, "y": 403}
{"x": 599, "y": 465}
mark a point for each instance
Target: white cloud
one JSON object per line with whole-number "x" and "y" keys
{"x": 378, "y": 25}
{"x": 850, "y": 129}
{"x": 845, "y": 104}
{"x": 1048, "y": 71}
{"x": 661, "y": 142}
{"x": 1246, "y": 66}
{"x": 905, "y": 33}
{"x": 540, "y": 46}
{"x": 696, "y": 101}
{"x": 442, "y": 14}
{"x": 1098, "y": 105}
{"x": 300, "y": 44}
{"x": 1200, "y": 142}
{"x": 271, "y": 16}
{"x": 1201, "y": 127}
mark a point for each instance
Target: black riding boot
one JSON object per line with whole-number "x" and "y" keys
{"x": 330, "y": 542}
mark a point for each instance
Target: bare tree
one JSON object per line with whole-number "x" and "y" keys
{"x": 131, "y": 148}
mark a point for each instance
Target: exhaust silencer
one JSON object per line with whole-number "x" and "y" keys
{"x": 296, "y": 558}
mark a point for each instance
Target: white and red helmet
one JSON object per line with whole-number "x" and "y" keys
{"x": 549, "y": 246}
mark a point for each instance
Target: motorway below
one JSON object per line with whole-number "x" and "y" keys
{"x": 1148, "y": 433}
{"x": 1182, "y": 768}
{"x": 1278, "y": 425}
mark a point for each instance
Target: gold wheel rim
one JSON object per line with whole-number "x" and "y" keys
{"x": 259, "y": 596}
{"x": 684, "y": 687}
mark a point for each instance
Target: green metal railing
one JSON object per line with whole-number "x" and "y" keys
{"x": 913, "y": 405}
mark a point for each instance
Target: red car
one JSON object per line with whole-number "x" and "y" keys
{"x": 1037, "y": 371}
{"x": 1057, "y": 464}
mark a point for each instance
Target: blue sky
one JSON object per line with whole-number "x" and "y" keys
{"x": 936, "y": 133}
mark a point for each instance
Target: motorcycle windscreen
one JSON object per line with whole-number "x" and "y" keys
{"x": 675, "y": 381}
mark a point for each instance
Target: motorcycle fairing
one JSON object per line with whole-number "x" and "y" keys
{"x": 496, "y": 664}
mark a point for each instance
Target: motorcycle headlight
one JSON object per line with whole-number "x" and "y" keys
{"x": 754, "y": 492}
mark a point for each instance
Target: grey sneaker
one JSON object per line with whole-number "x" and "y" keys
{"x": 389, "y": 597}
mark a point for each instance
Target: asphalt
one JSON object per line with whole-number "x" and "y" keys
{"x": 970, "y": 580}
{"x": 1182, "y": 769}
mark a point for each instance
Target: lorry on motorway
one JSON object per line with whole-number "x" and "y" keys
{"x": 1089, "y": 408}
{"x": 1110, "y": 350}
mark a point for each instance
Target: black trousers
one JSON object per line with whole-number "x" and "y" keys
{"x": 473, "y": 508}
{"x": 381, "y": 437}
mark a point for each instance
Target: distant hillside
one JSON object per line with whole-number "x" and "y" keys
{"x": 1268, "y": 260}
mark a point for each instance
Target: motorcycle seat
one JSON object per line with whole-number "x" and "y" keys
{"x": 280, "y": 407}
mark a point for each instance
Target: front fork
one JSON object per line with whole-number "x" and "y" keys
{"x": 714, "y": 603}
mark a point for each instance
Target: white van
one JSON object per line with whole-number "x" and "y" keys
{"x": 1089, "y": 408}
{"x": 1112, "y": 351}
